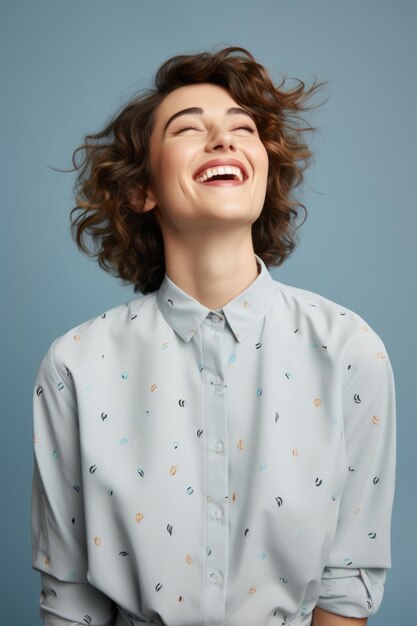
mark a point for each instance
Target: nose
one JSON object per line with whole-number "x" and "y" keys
{"x": 221, "y": 139}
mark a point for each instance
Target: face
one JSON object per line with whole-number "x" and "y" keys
{"x": 188, "y": 190}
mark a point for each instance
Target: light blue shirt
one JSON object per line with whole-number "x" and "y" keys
{"x": 196, "y": 467}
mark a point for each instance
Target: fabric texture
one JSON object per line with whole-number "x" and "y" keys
{"x": 228, "y": 467}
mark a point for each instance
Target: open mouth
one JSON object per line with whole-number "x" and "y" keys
{"x": 223, "y": 176}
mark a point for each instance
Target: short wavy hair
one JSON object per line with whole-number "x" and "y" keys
{"x": 114, "y": 172}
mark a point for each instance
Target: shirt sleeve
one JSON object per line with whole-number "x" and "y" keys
{"x": 353, "y": 579}
{"x": 58, "y": 530}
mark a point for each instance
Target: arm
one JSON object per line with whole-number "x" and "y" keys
{"x": 354, "y": 577}
{"x": 72, "y": 604}
{"x": 324, "y": 618}
{"x": 58, "y": 534}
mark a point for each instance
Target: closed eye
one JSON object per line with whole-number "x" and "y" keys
{"x": 186, "y": 128}
{"x": 190, "y": 127}
{"x": 249, "y": 128}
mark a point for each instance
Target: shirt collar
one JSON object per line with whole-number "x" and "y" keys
{"x": 185, "y": 314}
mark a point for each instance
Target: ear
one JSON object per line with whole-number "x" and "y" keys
{"x": 150, "y": 201}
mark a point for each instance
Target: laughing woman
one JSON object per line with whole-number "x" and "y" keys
{"x": 221, "y": 449}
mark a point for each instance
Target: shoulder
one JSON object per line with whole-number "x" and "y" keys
{"x": 355, "y": 348}
{"x": 332, "y": 321}
{"x": 87, "y": 339}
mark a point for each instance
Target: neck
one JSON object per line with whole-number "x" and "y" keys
{"x": 214, "y": 274}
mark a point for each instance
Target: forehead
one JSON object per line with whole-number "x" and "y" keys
{"x": 204, "y": 95}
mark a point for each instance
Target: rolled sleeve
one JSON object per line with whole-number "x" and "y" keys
{"x": 65, "y": 603}
{"x": 352, "y": 592}
{"x": 354, "y": 576}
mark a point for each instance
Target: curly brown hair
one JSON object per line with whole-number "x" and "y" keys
{"x": 114, "y": 173}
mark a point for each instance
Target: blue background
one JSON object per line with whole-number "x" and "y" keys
{"x": 66, "y": 66}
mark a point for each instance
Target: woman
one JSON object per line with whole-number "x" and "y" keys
{"x": 221, "y": 449}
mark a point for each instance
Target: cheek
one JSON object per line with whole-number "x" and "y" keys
{"x": 162, "y": 175}
{"x": 262, "y": 159}
{"x": 259, "y": 154}
{"x": 265, "y": 157}
{"x": 169, "y": 165}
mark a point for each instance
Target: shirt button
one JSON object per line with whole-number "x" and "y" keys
{"x": 217, "y": 383}
{"x": 216, "y": 577}
{"x": 219, "y": 446}
{"x": 216, "y": 318}
{"x": 218, "y": 514}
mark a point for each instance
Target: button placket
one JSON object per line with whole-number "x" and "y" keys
{"x": 217, "y": 527}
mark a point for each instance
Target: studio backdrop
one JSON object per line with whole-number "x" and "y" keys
{"x": 67, "y": 66}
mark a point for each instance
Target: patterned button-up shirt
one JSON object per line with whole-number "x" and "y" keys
{"x": 214, "y": 467}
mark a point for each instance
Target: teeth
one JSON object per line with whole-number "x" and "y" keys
{"x": 219, "y": 171}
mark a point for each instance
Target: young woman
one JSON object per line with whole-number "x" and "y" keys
{"x": 221, "y": 449}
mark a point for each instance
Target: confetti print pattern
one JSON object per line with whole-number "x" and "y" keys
{"x": 238, "y": 465}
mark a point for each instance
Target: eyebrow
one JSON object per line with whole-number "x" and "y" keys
{"x": 199, "y": 111}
